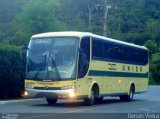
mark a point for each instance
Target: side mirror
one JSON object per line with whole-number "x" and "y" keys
{"x": 23, "y": 50}
{"x": 24, "y": 47}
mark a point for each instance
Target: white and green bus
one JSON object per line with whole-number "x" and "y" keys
{"x": 81, "y": 65}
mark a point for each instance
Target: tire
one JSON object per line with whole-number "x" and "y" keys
{"x": 131, "y": 94}
{"x": 90, "y": 101}
{"x": 128, "y": 97}
{"x": 51, "y": 101}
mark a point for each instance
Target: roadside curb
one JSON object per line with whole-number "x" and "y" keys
{"x": 19, "y": 101}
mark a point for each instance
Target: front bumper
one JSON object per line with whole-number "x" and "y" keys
{"x": 52, "y": 94}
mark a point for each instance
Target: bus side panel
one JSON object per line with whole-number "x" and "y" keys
{"x": 115, "y": 78}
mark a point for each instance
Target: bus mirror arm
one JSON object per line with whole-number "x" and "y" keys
{"x": 24, "y": 47}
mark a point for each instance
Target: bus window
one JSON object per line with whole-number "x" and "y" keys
{"x": 97, "y": 48}
{"x": 84, "y": 57}
{"x": 107, "y": 48}
{"x": 145, "y": 57}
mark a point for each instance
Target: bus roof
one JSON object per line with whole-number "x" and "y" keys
{"x": 59, "y": 34}
{"x": 82, "y": 34}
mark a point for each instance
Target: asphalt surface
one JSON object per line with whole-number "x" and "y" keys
{"x": 144, "y": 105}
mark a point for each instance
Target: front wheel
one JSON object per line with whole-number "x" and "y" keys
{"x": 90, "y": 101}
{"x": 52, "y": 101}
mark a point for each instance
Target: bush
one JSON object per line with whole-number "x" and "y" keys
{"x": 12, "y": 70}
{"x": 155, "y": 67}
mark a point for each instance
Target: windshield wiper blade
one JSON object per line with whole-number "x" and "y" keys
{"x": 55, "y": 68}
{"x": 36, "y": 74}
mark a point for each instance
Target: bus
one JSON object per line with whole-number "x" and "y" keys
{"x": 82, "y": 65}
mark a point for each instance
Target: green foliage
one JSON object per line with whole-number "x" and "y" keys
{"x": 152, "y": 46}
{"x": 37, "y": 16}
{"x": 155, "y": 67}
{"x": 154, "y": 55}
{"x": 8, "y": 10}
{"x": 133, "y": 21}
{"x": 12, "y": 72}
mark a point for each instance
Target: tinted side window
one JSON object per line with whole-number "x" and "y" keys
{"x": 97, "y": 48}
{"x": 107, "y": 49}
{"x": 84, "y": 57}
{"x": 145, "y": 56}
{"x": 119, "y": 52}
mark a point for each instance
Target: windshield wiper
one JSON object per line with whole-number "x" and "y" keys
{"x": 55, "y": 68}
{"x": 36, "y": 74}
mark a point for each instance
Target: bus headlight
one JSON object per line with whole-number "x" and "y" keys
{"x": 25, "y": 93}
{"x": 67, "y": 87}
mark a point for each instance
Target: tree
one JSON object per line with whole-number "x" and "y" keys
{"x": 37, "y": 16}
{"x": 8, "y": 10}
{"x": 152, "y": 46}
{"x": 155, "y": 67}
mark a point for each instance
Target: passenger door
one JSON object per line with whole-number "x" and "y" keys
{"x": 83, "y": 66}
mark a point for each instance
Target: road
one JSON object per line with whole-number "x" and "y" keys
{"x": 148, "y": 102}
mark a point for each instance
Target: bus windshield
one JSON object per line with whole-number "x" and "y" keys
{"x": 52, "y": 59}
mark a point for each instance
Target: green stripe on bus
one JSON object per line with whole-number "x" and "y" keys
{"x": 117, "y": 74}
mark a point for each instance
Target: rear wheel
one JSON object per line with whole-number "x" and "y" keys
{"x": 90, "y": 101}
{"x": 52, "y": 101}
{"x": 128, "y": 97}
